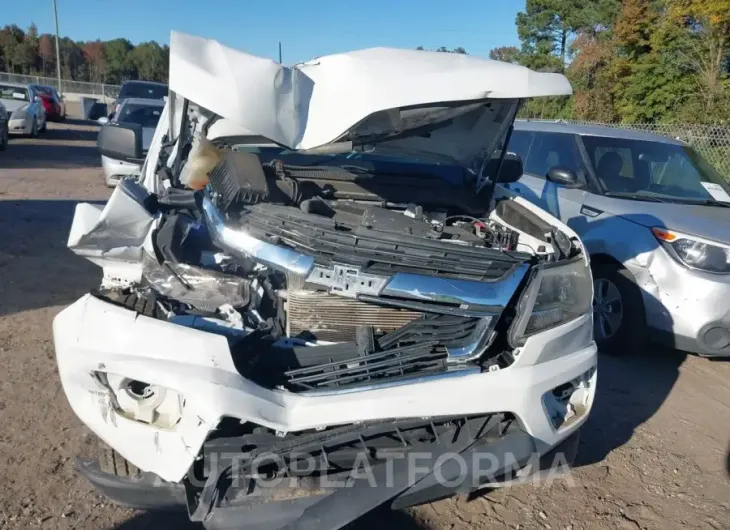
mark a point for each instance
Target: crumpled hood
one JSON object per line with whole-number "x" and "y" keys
{"x": 705, "y": 221}
{"x": 378, "y": 95}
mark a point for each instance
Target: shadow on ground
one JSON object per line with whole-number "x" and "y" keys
{"x": 382, "y": 519}
{"x": 630, "y": 390}
{"x": 36, "y": 268}
{"x": 57, "y": 148}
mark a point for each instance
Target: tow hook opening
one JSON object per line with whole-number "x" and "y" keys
{"x": 567, "y": 403}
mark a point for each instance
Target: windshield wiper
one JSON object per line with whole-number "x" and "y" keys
{"x": 632, "y": 196}
{"x": 708, "y": 202}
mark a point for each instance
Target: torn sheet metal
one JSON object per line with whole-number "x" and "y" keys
{"x": 348, "y": 95}
{"x": 114, "y": 235}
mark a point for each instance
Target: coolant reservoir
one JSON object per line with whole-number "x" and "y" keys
{"x": 203, "y": 157}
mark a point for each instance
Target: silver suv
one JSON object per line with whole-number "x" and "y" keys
{"x": 655, "y": 218}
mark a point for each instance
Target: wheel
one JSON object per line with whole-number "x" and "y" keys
{"x": 115, "y": 464}
{"x": 4, "y": 140}
{"x": 619, "y": 321}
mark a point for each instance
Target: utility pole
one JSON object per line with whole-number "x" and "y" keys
{"x": 58, "y": 48}
{"x": 279, "y": 50}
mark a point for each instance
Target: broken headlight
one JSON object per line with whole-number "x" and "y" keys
{"x": 555, "y": 295}
{"x": 694, "y": 252}
{"x": 142, "y": 402}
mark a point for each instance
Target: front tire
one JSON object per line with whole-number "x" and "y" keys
{"x": 115, "y": 464}
{"x": 619, "y": 321}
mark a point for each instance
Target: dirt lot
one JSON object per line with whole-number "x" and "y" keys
{"x": 653, "y": 454}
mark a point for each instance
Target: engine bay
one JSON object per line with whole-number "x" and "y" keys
{"x": 325, "y": 274}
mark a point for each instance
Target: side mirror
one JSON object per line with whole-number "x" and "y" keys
{"x": 121, "y": 141}
{"x": 511, "y": 168}
{"x": 103, "y": 120}
{"x": 563, "y": 177}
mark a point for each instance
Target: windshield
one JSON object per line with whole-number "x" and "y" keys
{"x": 144, "y": 115}
{"x": 143, "y": 90}
{"x": 671, "y": 172}
{"x": 14, "y": 92}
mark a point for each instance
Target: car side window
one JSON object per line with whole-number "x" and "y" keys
{"x": 552, "y": 149}
{"x": 520, "y": 144}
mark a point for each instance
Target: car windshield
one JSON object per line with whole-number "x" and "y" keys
{"x": 671, "y": 172}
{"x": 143, "y": 90}
{"x": 14, "y": 92}
{"x": 144, "y": 115}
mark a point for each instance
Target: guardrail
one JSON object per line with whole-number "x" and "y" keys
{"x": 76, "y": 87}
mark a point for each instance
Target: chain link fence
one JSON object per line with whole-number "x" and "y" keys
{"x": 74, "y": 87}
{"x": 712, "y": 142}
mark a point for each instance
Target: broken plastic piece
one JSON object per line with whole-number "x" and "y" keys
{"x": 203, "y": 289}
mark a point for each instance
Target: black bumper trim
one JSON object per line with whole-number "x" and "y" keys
{"x": 149, "y": 492}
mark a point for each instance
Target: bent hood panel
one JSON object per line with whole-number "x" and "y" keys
{"x": 705, "y": 221}
{"x": 317, "y": 103}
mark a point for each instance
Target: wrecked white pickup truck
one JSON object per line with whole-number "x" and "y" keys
{"x": 316, "y": 300}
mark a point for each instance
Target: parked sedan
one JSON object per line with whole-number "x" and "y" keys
{"x": 53, "y": 102}
{"x": 143, "y": 112}
{"x": 655, "y": 217}
{"x": 27, "y": 115}
{"x": 3, "y": 127}
{"x": 139, "y": 90}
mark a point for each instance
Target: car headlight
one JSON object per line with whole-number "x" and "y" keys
{"x": 556, "y": 295}
{"x": 694, "y": 252}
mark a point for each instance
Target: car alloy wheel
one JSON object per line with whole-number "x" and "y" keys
{"x": 608, "y": 309}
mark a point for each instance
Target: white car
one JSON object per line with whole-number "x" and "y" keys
{"x": 143, "y": 112}
{"x": 27, "y": 115}
{"x": 316, "y": 300}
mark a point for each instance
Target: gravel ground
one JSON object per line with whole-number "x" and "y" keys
{"x": 653, "y": 453}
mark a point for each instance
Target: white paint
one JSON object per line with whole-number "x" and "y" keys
{"x": 318, "y": 102}
{"x": 716, "y": 191}
{"x": 198, "y": 365}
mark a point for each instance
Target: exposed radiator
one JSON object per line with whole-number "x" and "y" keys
{"x": 335, "y": 318}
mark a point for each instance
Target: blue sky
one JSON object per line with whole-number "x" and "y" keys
{"x": 306, "y": 28}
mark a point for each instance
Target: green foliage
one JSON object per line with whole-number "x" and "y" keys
{"x": 629, "y": 60}
{"x": 113, "y": 61}
{"x": 507, "y": 54}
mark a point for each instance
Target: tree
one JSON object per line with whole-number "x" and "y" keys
{"x": 119, "y": 60}
{"x": 455, "y": 50}
{"x": 651, "y": 83}
{"x": 708, "y": 52}
{"x": 10, "y": 38}
{"x": 94, "y": 55}
{"x": 25, "y": 54}
{"x": 546, "y": 28}
{"x": 507, "y": 54}
{"x": 46, "y": 52}
{"x": 150, "y": 61}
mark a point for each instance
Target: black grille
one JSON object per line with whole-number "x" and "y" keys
{"x": 418, "y": 348}
{"x": 376, "y": 253}
{"x": 336, "y": 449}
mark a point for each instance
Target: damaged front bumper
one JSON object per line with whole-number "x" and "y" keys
{"x": 95, "y": 337}
{"x": 301, "y": 505}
